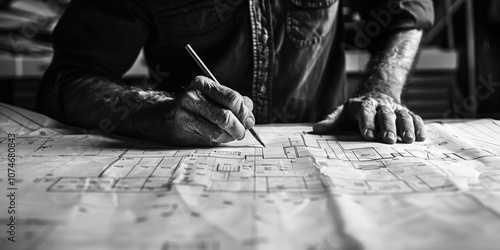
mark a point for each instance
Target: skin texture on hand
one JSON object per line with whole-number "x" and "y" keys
{"x": 207, "y": 114}
{"x": 378, "y": 116}
{"x": 377, "y": 107}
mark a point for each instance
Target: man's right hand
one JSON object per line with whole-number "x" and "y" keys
{"x": 207, "y": 114}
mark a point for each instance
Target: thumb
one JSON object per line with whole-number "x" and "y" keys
{"x": 331, "y": 122}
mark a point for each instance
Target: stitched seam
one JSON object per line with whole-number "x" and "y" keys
{"x": 290, "y": 27}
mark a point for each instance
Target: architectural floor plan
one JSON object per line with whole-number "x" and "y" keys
{"x": 77, "y": 189}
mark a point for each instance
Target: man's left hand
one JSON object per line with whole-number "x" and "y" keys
{"x": 379, "y": 117}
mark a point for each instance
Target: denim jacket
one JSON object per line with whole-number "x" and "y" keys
{"x": 287, "y": 55}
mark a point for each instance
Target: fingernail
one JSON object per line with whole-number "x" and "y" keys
{"x": 249, "y": 122}
{"x": 409, "y": 134}
{"x": 369, "y": 133}
{"x": 390, "y": 135}
{"x": 421, "y": 135}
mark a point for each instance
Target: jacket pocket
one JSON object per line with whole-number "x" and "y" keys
{"x": 309, "y": 21}
{"x": 197, "y": 18}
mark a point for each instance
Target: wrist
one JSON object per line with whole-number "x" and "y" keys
{"x": 380, "y": 94}
{"x": 151, "y": 120}
{"x": 381, "y": 88}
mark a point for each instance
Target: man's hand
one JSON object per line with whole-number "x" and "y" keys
{"x": 378, "y": 110}
{"x": 207, "y": 114}
{"x": 379, "y": 116}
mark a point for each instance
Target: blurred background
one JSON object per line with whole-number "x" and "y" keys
{"x": 455, "y": 77}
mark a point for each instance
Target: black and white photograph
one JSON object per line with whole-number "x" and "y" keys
{"x": 249, "y": 124}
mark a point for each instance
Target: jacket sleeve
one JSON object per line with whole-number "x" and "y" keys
{"x": 94, "y": 39}
{"x": 393, "y": 15}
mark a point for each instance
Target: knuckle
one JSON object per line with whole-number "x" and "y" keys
{"x": 365, "y": 98}
{"x": 357, "y": 101}
{"x": 195, "y": 82}
{"x": 190, "y": 95}
{"x": 404, "y": 116}
{"x": 185, "y": 100}
{"x": 235, "y": 100}
{"x": 232, "y": 95}
{"x": 368, "y": 109}
{"x": 223, "y": 118}
{"x": 202, "y": 83}
{"x": 367, "y": 103}
{"x": 189, "y": 99}
{"x": 238, "y": 106}
{"x": 351, "y": 101}
{"x": 386, "y": 111}
{"x": 199, "y": 79}
{"x": 419, "y": 119}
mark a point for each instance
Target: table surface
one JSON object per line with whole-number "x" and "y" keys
{"x": 78, "y": 189}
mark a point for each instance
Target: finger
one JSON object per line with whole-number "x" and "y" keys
{"x": 210, "y": 131}
{"x": 366, "y": 119}
{"x": 404, "y": 122}
{"x": 196, "y": 103}
{"x": 419, "y": 125}
{"x": 225, "y": 97}
{"x": 201, "y": 131}
{"x": 248, "y": 102}
{"x": 250, "y": 122}
{"x": 331, "y": 122}
{"x": 387, "y": 123}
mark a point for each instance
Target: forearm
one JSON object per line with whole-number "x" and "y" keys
{"x": 391, "y": 64}
{"x": 99, "y": 102}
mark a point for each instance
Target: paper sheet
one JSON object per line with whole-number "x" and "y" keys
{"x": 304, "y": 191}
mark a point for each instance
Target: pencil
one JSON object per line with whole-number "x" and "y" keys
{"x": 203, "y": 67}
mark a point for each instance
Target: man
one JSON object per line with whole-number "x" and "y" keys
{"x": 285, "y": 55}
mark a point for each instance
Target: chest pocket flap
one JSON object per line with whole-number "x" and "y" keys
{"x": 308, "y": 21}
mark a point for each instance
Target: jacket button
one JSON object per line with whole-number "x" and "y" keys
{"x": 262, "y": 89}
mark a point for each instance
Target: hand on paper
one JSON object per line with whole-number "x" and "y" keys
{"x": 207, "y": 114}
{"x": 379, "y": 117}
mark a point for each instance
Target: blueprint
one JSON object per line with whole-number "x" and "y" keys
{"x": 78, "y": 189}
